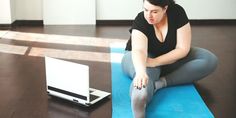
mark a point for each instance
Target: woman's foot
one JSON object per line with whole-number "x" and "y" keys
{"x": 160, "y": 83}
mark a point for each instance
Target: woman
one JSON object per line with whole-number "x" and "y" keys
{"x": 159, "y": 53}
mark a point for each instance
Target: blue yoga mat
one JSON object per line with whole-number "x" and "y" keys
{"x": 171, "y": 102}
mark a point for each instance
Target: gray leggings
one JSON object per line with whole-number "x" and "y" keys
{"x": 196, "y": 65}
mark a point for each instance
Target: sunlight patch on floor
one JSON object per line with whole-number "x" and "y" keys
{"x": 2, "y": 32}
{"x": 70, "y": 54}
{"x": 60, "y": 39}
{"x": 63, "y": 40}
{"x": 12, "y": 49}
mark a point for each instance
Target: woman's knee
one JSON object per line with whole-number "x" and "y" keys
{"x": 126, "y": 59}
{"x": 210, "y": 61}
{"x": 139, "y": 96}
{"x": 127, "y": 64}
{"x": 213, "y": 61}
{"x": 143, "y": 95}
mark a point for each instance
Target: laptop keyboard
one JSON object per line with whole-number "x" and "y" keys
{"x": 92, "y": 97}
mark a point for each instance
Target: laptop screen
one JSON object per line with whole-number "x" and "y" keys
{"x": 67, "y": 77}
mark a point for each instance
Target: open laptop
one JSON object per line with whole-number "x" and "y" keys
{"x": 70, "y": 81}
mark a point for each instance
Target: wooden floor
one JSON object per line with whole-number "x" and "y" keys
{"x": 22, "y": 70}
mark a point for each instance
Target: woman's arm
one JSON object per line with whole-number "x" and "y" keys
{"x": 139, "y": 56}
{"x": 182, "y": 48}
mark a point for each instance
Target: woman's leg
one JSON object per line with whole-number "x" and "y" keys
{"x": 139, "y": 97}
{"x": 198, "y": 64}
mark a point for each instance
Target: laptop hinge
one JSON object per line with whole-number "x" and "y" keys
{"x": 67, "y": 92}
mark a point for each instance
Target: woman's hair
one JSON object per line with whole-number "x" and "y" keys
{"x": 161, "y": 3}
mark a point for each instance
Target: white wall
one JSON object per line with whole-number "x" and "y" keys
{"x": 13, "y": 10}
{"x": 195, "y": 9}
{"x": 117, "y": 9}
{"x": 5, "y": 12}
{"x": 28, "y": 9}
{"x": 209, "y": 9}
{"x": 69, "y": 12}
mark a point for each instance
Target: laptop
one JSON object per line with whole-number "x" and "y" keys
{"x": 70, "y": 81}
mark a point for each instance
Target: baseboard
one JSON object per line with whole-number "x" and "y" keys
{"x": 114, "y": 22}
{"x": 21, "y": 23}
{"x": 213, "y": 22}
{"x": 117, "y": 23}
{"x": 5, "y": 26}
{"x": 192, "y": 22}
{"x": 28, "y": 23}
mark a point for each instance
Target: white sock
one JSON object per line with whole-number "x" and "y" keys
{"x": 160, "y": 83}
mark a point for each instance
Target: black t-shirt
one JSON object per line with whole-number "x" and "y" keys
{"x": 176, "y": 18}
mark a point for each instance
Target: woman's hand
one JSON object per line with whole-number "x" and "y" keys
{"x": 140, "y": 80}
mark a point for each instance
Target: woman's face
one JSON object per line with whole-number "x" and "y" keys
{"x": 153, "y": 14}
